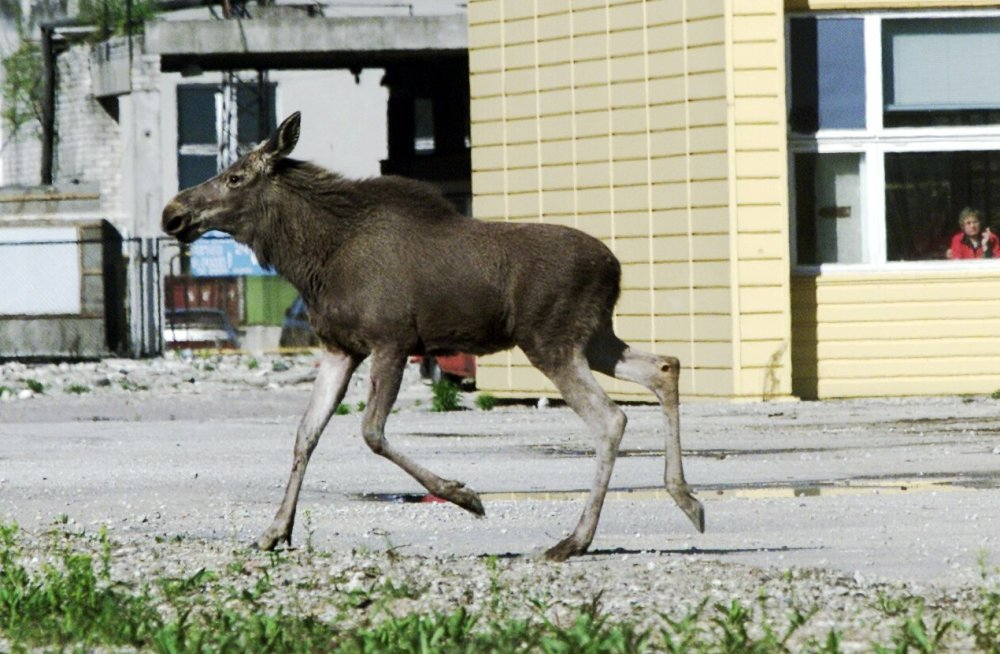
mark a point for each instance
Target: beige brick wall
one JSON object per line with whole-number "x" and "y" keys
{"x": 658, "y": 127}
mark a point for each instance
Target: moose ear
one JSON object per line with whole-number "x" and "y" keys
{"x": 283, "y": 141}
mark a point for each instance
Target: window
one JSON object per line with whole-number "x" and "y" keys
{"x": 828, "y": 74}
{"x": 941, "y": 72}
{"x": 894, "y": 127}
{"x": 924, "y": 193}
{"x": 201, "y": 129}
{"x": 423, "y": 125}
{"x": 829, "y": 229}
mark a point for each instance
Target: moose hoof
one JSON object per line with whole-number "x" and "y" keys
{"x": 564, "y": 549}
{"x": 691, "y": 507}
{"x": 269, "y": 540}
{"x": 459, "y": 494}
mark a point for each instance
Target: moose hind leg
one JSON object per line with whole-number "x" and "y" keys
{"x": 334, "y": 372}
{"x": 387, "y": 373}
{"x": 660, "y": 374}
{"x": 586, "y": 397}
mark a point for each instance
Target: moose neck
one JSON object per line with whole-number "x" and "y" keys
{"x": 308, "y": 214}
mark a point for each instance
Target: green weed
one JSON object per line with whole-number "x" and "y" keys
{"x": 445, "y": 396}
{"x": 486, "y": 402}
{"x": 77, "y": 389}
{"x": 35, "y": 386}
{"x": 342, "y": 410}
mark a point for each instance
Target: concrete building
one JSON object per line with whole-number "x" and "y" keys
{"x": 141, "y": 117}
{"x": 779, "y": 179}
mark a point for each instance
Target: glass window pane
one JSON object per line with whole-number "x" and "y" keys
{"x": 828, "y": 74}
{"x": 196, "y": 114}
{"x": 828, "y": 208}
{"x": 924, "y": 193}
{"x": 941, "y": 71}
{"x": 248, "y": 103}
{"x": 423, "y": 125}
{"x": 193, "y": 169}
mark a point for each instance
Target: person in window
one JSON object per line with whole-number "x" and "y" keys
{"x": 973, "y": 242}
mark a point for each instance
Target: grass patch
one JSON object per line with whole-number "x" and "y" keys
{"x": 77, "y": 389}
{"x": 445, "y": 394}
{"x": 67, "y": 599}
{"x": 35, "y": 386}
{"x": 342, "y": 410}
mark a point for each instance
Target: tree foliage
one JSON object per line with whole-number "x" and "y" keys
{"x": 110, "y": 15}
{"x": 22, "y": 86}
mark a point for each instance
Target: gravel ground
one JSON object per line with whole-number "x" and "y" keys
{"x": 349, "y": 545}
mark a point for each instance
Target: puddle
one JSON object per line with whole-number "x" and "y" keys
{"x": 895, "y": 486}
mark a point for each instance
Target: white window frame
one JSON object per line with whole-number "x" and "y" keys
{"x": 873, "y": 142}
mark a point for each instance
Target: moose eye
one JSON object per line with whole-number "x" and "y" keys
{"x": 233, "y": 180}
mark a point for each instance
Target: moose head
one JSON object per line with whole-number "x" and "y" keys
{"x": 230, "y": 201}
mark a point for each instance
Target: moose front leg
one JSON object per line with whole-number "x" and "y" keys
{"x": 334, "y": 372}
{"x": 661, "y": 374}
{"x": 387, "y": 374}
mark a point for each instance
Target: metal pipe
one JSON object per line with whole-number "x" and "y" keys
{"x": 48, "y": 103}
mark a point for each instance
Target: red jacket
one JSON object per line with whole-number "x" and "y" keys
{"x": 961, "y": 248}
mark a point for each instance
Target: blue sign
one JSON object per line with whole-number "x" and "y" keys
{"x": 218, "y": 255}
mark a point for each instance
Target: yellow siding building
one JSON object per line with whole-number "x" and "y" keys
{"x": 662, "y": 127}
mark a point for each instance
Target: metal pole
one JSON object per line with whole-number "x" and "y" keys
{"x": 48, "y": 103}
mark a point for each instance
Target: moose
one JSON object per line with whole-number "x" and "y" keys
{"x": 390, "y": 269}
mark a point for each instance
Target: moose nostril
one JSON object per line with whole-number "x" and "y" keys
{"x": 174, "y": 224}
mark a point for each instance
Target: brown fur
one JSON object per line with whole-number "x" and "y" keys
{"x": 388, "y": 267}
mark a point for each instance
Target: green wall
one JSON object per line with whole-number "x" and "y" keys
{"x": 267, "y": 298}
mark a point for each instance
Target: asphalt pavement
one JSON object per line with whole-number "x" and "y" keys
{"x": 893, "y": 489}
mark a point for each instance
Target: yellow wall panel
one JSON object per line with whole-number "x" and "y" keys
{"x": 593, "y": 148}
{"x": 557, "y": 8}
{"x": 876, "y": 334}
{"x": 707, "y": 85}
{"x": 625, "y": 43}
{"x": 754, "y": 26}
{"x": 626, "y": 119}
{"x": 714, "y": 138}
{"x": 554, "y": 25}
{"x": 486, "y": 59}
{"x": 486, "y": 84}
{"x": 758, "y": 82}
{"x": 706, "y": 31}
{"x": 710, "y": 58}
{"x": 756, "y": 54}
{"x": 552, "y": 76}
{"x": 487, "y": 133}
{"x": 629, "y": 94}
{"x": 590, "y": 21}
{"x": 483, "y": 11}
{"x": 489, "y": 207}
{"x": 666, "y": 117}
{"x": 517, "y": 11}
{"x": 664, "y": 11}
{"x": 632, "y": 198}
